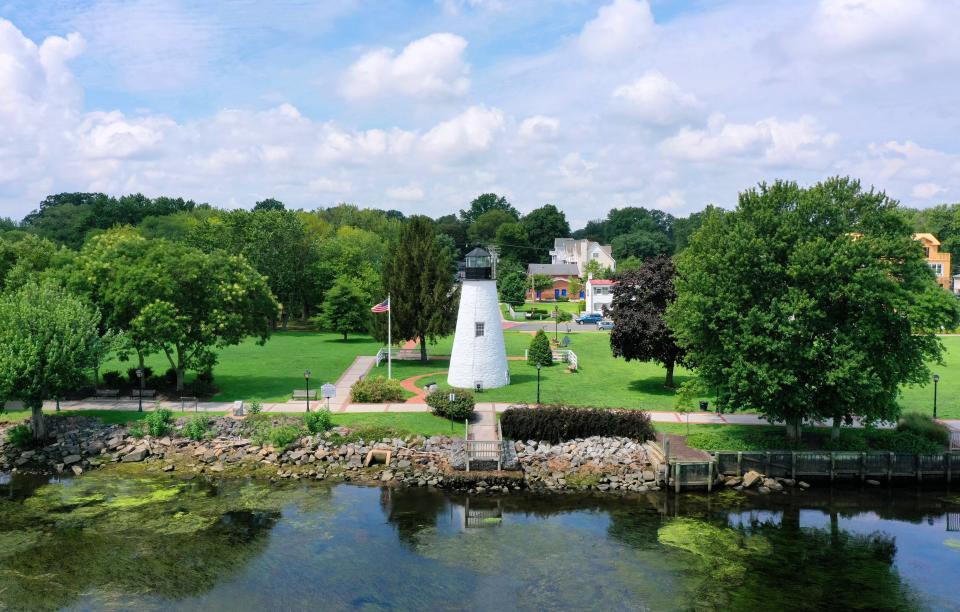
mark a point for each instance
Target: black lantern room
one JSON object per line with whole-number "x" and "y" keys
{"x": 478, "y": 265}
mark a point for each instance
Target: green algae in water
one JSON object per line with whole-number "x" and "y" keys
{"x": 952, "y": 543}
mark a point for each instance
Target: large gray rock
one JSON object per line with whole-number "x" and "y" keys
{"x": 137, "y": 454}
{"x": 751, "y": 478}
{"x": 71, "y": 459}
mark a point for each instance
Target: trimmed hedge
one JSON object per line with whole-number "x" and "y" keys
{"x": 558, "y": 423}
{"x": 457, "y": 410}
{"x": 376, "y": 390}
{"x": 924, "y": 426}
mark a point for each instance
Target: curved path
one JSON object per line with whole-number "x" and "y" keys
{"x": 410, "y": 385}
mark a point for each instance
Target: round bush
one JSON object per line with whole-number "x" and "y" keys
{"x": 459, "y": 409}
{"x": 376, "y": 390}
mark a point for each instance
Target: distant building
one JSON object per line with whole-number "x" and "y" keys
{"x": 562, "y": 274}
{"x": 599, "y": 293}
{"x": 581, "y": 252}
{"x": 938, "y": 262}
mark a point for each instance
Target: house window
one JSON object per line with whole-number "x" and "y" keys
{"x": 595, "y": 255}
{"x": 937, "y": 268}
{"x": 478, "y": 329}
{"x": 926, "y": 252}
{"x": 563, "y": 292}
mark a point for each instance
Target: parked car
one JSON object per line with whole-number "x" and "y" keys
{"x": 605, "y": 325}
{"x": 589, "y": 318}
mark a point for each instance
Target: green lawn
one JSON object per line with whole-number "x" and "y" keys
{"x": 272, "y": 371}
{"x": 422, "y": 423}
{"x": 109, "y": 417}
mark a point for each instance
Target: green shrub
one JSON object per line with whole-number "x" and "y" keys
{"x": 136, "y": 431}
{"x": 319, "y": 421}
{"x": 540, "y": 351}
{"x": 158, "y": 422}
{"x": 282, "y": 436}
{"x": 20, "y": 435}
{"x": 111, "y": 379}
{"x": 255, "y": 407}
{"x": 924, "y": 426}
{"x": 459, "y": 409}
{"x": 376, "y": 390}
{"x": 557, "y": 423}
{"x": 197, "y": 427}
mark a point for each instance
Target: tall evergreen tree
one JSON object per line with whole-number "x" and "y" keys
{"x": 417, "y": 275}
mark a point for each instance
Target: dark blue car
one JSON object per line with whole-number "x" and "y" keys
{"x": 589, "y": 318}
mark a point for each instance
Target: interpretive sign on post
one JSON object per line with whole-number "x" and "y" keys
{"x": 328, "y": 391}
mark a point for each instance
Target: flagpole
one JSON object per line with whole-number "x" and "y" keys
{"x": 389, "y": 340}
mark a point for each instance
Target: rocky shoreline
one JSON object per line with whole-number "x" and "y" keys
{"x": 79, "y": 444}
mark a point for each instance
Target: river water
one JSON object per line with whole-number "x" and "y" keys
{"x": 115, "y": 540}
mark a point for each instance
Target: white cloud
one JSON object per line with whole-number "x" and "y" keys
{"x": 111, "y": 135}
{"x": 925, "y": 191}
{"x": 328, "y": 185}
{"x": 472, "y": 131}
{"x": 672, "y": 200}
{"x": 539, "y": 128}
{"x": 432, "y": 66}
{"x": 619, "y": 30}
{"x": 868, "y": 25}
{"x": 409, "y": 193}
{"x": 653, "y": 98}
{"x": 770, "y": 140}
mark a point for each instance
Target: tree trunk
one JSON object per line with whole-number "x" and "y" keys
{"x": 835, "y": 429}
{"x": 793, "y": 428}
{"x": 37, "y": 422}
{"x": 423, "y": 349}
{"x": 669, "y": 382}
{"x": 344, "y": 335}
{"x": 181, "y": 372}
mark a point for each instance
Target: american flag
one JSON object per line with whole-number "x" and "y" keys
{"x": 383, "y": 306}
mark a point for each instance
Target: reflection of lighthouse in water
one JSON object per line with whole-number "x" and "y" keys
{"x": 479, "y": 357}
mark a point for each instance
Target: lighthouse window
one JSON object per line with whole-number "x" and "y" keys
{"x": 479, "y": 329}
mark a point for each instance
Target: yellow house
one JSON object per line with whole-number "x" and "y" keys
{"x": 938, "y": 262}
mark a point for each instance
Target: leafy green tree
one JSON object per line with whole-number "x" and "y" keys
{"x": 511, "y": 282}
{"x": 511, "y": 241}
{"x": 574, "y": 287}
{"x": 539, "y": 351}
{"x": 24, "y": 256}
{"x": 452, "y": 226}
{"x": 809, "y": 303}
{"x": 640, "y": 300}
{"x": 597, "y": 270}
{"x": 48, "y": 338}
{"x": 643, "y": 244}
{"x": 269, "y": 204}
{"x": 484, "y": 229}
{"x": 541, "y": 283}
{"x": 542, "y": 226}
{"x": 203, "y": 301}
{"x": 417, "y": 277}
{"x": 346, "y": 308}
{"x": 485, "y": 203}
{"x": 352, "y": 253}
{"x": 685, "y": 227}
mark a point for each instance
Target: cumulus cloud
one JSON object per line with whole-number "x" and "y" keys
{"x": 906, "y": 170}
{"x": 432, "y": 66}
{"x": 770, "y": 140}
{"x": 925, "y": 191}
{"x": 539, "y": 128}
{"x": 472, "y": 131}
{"x": 619, "y": 30}
{"x": 655, "y": 99}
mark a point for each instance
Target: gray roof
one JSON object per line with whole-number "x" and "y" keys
{"x": 562, "y": 269}
{"x": 478, "y": 252}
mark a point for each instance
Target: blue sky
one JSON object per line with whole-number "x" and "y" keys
{"x": 421, "y": 105}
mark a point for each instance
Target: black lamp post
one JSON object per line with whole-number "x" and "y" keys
{"x": 140, "y": 396}
{"x": 936, "y": 379}
{"x": 452, "y": 397}
{"x": 306, "y": 377}
{"x": 538, "y": 383}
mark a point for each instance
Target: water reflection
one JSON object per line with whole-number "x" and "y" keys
{"x": 115, "y": 541}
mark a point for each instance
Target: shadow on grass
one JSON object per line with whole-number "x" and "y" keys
{"x": 653, "y": 385}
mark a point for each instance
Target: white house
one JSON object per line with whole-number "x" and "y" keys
{"x": 599, "y": 294}
{"x": 581, "y": 252}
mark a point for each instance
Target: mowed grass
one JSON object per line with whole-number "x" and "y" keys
{"x": 271, "y": 372}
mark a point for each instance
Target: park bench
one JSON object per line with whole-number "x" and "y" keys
{"x": 304, "y": 394}
{"x": 108, "y": 393}
{"x": 148, "y": 393}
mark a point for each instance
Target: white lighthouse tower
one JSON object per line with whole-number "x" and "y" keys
{"x": 479, "y": 357}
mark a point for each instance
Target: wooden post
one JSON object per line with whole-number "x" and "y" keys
{"x": 793, "y": 465}
{"x": 767, "y": 466}
{"x": 676, "y": 477}
{"x": 948, "y": 456}
{"x": 710, "y": 477}
{"x": 863, "y": 466}
{"x": 889, "y": 467}
{"x": 916, "y": 464}
{"x": 832, "y": 465}
{"x": 739, "y": 464}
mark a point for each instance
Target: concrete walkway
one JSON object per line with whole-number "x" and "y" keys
{"x": 485, "y": 427}
{"x": 360, "y": 367}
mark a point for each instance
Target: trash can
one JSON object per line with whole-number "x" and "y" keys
{"x": 704, "y": 405}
